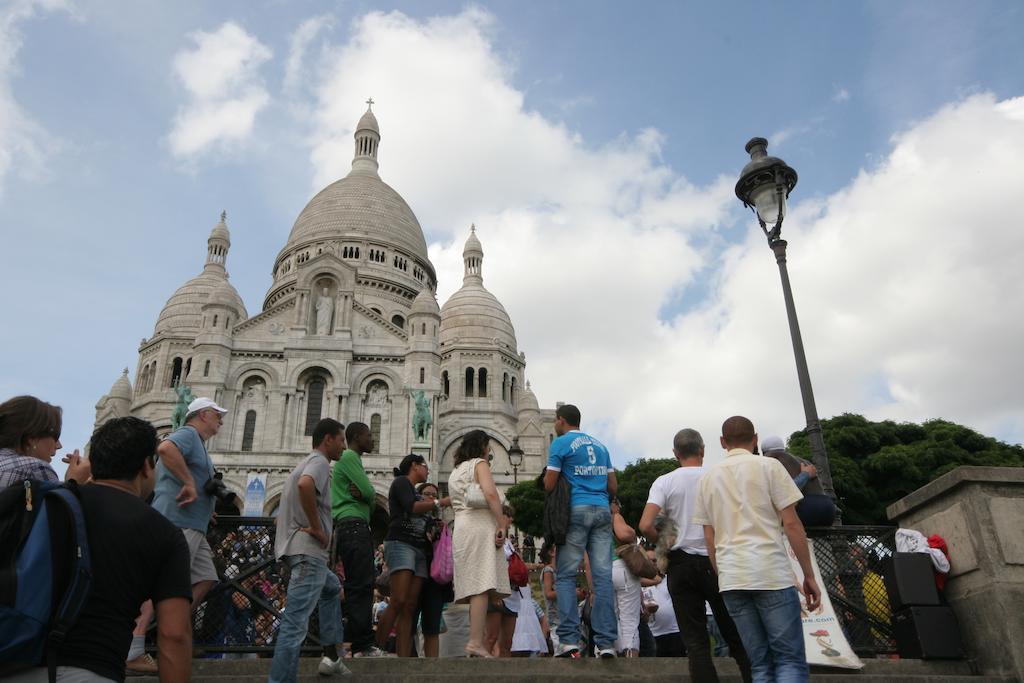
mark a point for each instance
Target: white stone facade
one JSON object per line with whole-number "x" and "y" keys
{"x": 350, "y": 329}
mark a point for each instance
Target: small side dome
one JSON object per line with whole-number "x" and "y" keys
{"x": 183, "y": 312}
{"x": 528, "y": 400}
{"x": 122, "y": 388}
{"x": 225, "y": 295}
{"x": 425, "y": 304}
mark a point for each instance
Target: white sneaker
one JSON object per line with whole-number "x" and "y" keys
{"x": 372, "y": 651}
{"x": 332, "y": 667}
{"x": 567, "y": 651}
{"x": 605, "y": 653}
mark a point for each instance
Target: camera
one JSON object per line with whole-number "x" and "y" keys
{"x": 216, "y": 487}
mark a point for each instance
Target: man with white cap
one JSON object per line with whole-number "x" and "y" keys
{"x": 181, "y": 475}
{"x": 816, "y": 508}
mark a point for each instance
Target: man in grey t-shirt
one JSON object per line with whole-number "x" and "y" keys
{"x": 303, "y": 536}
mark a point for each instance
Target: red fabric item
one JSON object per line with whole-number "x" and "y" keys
{"x": 936, "y": 541}
{"x": 518, "y": 574}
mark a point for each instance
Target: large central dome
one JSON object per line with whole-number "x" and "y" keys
{"x": 361, "y": 206}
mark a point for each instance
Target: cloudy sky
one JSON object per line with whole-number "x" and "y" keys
{"x": 594, "y": 144}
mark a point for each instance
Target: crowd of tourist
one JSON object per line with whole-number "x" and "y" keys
{"x": 723, "y": 583}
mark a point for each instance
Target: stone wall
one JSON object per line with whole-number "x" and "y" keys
{"x": 980, "y": 513}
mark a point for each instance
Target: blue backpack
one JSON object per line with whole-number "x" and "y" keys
{"x": 44, "y": 572}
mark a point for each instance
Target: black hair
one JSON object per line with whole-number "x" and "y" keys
{"x": 354, "y": 431}
{"x": 120, "y": 447}
{"x": 407, "y": 463}
{"x": 545, "y": 552}
{"x": 569, "y": 413}
{"x": 474, "y": 445}
{"x": 325, "y": 428}
{"x": 26, "y": 417}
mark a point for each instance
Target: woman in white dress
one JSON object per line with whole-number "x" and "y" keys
{"x": 478, "y": 537}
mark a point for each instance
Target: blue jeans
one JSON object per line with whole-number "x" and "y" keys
{"x": 590, "y": 530}
{"x": 311, "y": 582}
{"x": 772, "y": 634}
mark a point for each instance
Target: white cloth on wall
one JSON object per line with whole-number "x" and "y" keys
{"x": 911, "y": 541}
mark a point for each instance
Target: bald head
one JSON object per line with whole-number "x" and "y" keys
{"x": 738, "y": 432}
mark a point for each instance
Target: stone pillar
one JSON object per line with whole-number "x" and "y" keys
{"x": 980, "y": 513}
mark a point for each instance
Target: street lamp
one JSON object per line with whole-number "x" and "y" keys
{"x": 764, "y": 187}
{"x": 515, "y": 458}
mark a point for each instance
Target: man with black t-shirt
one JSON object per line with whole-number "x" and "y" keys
{"x": 137, "y": 555}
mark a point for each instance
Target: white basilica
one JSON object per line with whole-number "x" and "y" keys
{"x": 350, "y": 328}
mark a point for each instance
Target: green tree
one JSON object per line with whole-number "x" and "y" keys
{"x": 874, "y": 464}
{"x": 527, "y": 498}
{"x": 635, "y": 483}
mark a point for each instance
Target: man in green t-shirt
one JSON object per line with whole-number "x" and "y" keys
{"x": 352, "y": 498}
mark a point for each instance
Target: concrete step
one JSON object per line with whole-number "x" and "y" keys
{"x": 516, "y": 670}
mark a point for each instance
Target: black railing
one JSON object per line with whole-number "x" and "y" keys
{"x": 242, "y": 613}
{"x": 850, "y": 559}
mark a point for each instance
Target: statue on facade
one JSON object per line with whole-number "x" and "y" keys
{"x": 421, "y": 418}
{"x": 181, "y": 407}
{"x": 324, "y": 313}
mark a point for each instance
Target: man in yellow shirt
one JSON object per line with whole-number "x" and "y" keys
{"x": 746, "y": 502}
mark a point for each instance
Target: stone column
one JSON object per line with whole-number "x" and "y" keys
{"x": 980, "y": 513}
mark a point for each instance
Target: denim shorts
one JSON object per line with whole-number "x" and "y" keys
{"x": 399, "y": 556}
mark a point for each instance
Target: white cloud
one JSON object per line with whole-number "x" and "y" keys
{"x": 221, "y": 73}
{"x": 905, "y": 281}
{"x": 841, "y": 95}
{"x": 24, "y": 144}
{"x": 299, "y": 43}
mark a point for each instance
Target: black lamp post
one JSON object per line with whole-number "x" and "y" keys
{"x": 515, "y": 458}
{"x": 764, "y": 187}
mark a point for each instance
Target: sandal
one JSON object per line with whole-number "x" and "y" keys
{"x": 472, "y": 651}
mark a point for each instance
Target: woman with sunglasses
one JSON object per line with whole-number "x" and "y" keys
{"x": 29, "y": 438}
{"x": 433, "y": 595}
{"x": 405, "y": 552}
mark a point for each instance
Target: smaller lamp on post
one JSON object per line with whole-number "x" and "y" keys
{"x": 764, "y": 187}
{"x": 515, "y": 458}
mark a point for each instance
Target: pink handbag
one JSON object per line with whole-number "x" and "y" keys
{"x": 442, "y": 567}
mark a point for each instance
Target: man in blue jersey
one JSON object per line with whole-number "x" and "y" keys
{"x": 586, "y": 466}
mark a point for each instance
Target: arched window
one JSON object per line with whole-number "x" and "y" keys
{"x": 512, "y": 392}
{"x": 504, "y": 387}
{"x": 215, "y": 320}
{"x": 140, "y": 386}
{"x": 152, "y": 378}
{"x": 398, "y": 321}
{"x": 314, "y": 402}
{"x": 423, "y": 375}
{"x": 469, "y": 382}
{"x": 206, "y": 369}
{"x": 482, "y": 374}
{"x": 175, "y": 372}
{"x": 375, "y": 432}
{"x": 444, "y": 382}
{"x": 249, "y": 430}
{"x": 423, "y": 328}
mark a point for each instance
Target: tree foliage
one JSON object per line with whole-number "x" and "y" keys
{"x": 874, "y": 464}
{"x": 527, "y": 498}
{"x": 635, "y": 483}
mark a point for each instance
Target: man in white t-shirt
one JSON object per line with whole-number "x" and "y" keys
{"x": 746, "y": 503}
{"x": 691, "y": 580}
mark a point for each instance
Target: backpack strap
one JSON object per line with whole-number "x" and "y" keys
{"x": 78, "y": 582}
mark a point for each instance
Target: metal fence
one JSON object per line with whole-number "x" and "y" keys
{"x": 850, "y": 559}
{"x": 242, "y": 613}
